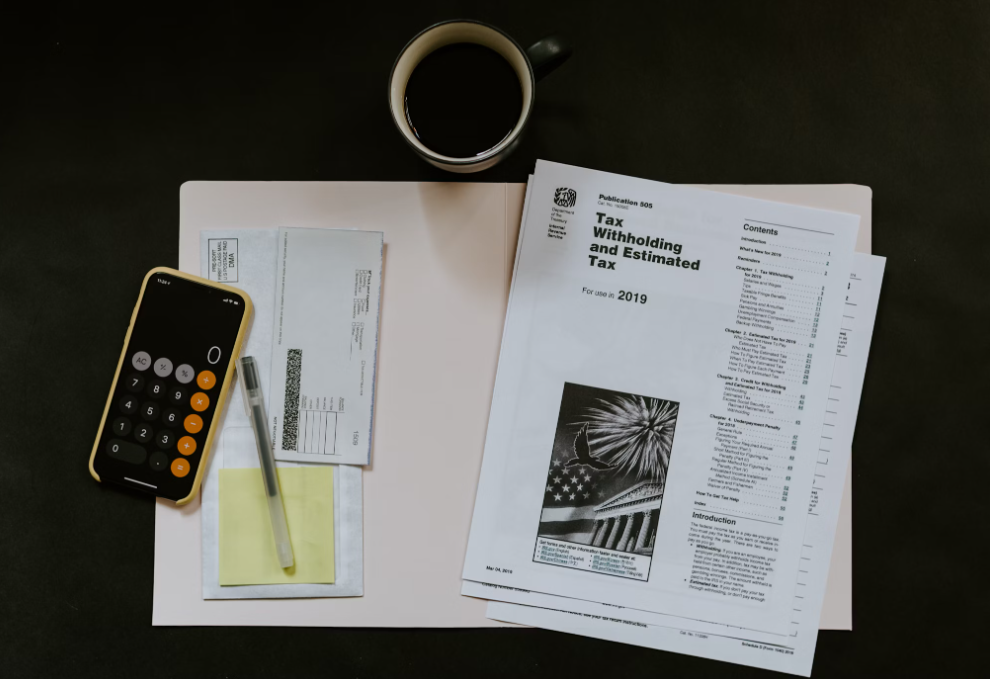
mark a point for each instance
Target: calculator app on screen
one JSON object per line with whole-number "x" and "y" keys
{"x": 170, "y": 385}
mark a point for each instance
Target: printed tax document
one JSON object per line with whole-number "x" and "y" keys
{"x": 249, "y": 259}
{"x": 449, "y": 251}
{"x": 793, "y": 653}
{"x": 246, "y": 553}
{"x": 835, "y": 606}
{"x": 835, "y": 603}
{"x": 662, "y": 384}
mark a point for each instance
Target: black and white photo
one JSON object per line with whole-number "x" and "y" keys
{"x": 607, "y": 472}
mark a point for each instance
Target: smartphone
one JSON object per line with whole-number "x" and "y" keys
{"x": 171, "y": 385}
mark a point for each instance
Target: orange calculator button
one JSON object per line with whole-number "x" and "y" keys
{"x": 199, "y": 402}
{"x": 193, "y": 424}
{"x": 180, "y": 467}
{"x": 187, "y": 445}
{"x": 206, "y": 379}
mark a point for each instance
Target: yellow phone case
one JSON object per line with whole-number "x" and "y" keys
{"x": 228, "y": 374}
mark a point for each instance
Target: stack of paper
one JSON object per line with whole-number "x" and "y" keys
{"x": 676, "y": 395}
{"x": 450, "y": 251}
{"x": 314, "y": 336}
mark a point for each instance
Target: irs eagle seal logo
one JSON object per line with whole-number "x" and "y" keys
{"x": 565, "y": 197}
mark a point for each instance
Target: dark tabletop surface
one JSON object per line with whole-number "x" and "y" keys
{"x": 105, "y": 112}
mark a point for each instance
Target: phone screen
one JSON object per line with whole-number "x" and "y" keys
{"x": 165, "y": 399}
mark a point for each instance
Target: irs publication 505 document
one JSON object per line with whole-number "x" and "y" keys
{"x": 794, "y": 652}
{"x": 661, "y": 389}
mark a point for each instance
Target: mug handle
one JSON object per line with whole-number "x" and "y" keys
{"x": 547, "y": 54}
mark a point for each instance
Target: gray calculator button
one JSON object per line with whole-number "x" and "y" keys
{"x": 121, "y": 426}
{"x": 185, "y": 373}
{"x": 141, "y": 360}
{"x": 177, "y": 395}
{"x": 128, "y": 452}
{"x": 163, "y": 367}
{"x": 129, "y": 405}
{"x": 143, "y": 434}
{"x": 156, "y": 388}
{"x": 165, "y": 439}
{"x": 149, "y": 411}
{"x": 134, "y": 383}
{"x": 158, "y": 461}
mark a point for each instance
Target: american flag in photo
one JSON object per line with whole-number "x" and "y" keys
{"x": 569, "y": 501}
{"x": 606, "y": 443}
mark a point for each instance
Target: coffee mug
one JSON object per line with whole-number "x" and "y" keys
{"x": 453, "y": 94}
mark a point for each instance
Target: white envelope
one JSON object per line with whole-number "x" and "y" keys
{"x": 249, "y": 260}
{"x": 448, "y": 260}
{"x": 324, "y": 341}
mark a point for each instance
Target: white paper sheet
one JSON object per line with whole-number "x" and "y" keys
{"x": 836, "y": 608}
{"x": 718, "y": 347}
{"x": 449, "y": 252}
{"x": 445, "y": 280}
{"x": 793, "y": 653}
{"x": 324, "y": 346}
{"x": 247, "y": 259}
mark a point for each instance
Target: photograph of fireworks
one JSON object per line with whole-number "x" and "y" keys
{"x": 608, "y": 469}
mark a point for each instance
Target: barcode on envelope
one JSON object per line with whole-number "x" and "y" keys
{"x": 290, "y": 418}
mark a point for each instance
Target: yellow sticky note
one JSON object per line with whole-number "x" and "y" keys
{"x": 247, "y": 549}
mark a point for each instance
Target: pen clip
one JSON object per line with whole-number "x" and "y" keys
{"x": 244, "y": 391}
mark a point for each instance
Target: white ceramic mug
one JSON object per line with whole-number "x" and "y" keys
{"x": 530, "y": 66}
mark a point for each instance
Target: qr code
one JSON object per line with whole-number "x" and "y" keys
{"x": 290, "y": 421}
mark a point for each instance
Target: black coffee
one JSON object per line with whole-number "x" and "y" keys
{"x": 463, "y": 99}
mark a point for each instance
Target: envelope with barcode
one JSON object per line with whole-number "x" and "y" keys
{"x": 324, "y": 341}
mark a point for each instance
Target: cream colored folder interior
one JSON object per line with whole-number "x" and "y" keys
{"x": 449, "y": 252}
